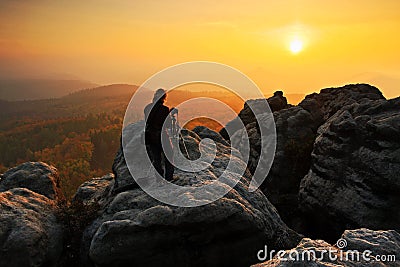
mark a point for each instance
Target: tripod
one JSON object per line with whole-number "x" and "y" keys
{"x": 176, "y": 135}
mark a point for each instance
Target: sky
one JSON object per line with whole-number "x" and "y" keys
{"x": 298, "y": 46}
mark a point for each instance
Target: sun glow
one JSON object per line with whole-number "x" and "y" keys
{"x": 296, "y": 46}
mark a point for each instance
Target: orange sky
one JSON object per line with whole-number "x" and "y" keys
{"x": 128, "y": 41}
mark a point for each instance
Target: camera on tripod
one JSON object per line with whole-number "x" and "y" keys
{"x": 174, "y": 111}
{"x": 175, "y": 131}
{"x": 175, "y": 124}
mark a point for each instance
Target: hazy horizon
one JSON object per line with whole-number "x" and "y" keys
{"x": 296, "y": 46}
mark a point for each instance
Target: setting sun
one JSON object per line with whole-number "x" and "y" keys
{"x": 296, "y": 46}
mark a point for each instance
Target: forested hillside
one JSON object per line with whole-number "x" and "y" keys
{"x": 33, "y": 89}
{"x": 78, "y": 133}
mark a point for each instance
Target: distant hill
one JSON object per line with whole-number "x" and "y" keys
{"x": 34, "y": 89}
{"x": 111, "y": 99}
{"x": 103, "y": 91}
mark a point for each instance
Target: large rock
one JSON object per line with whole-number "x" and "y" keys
{"x": 354, "y": 177}
{"x": 35, "y": 176}
{"x": 121, "y": 170}
{"x": 137, "y": 230}
{"x": 204, "y": 132}
{"x": 30, "y": 233}
{"x": 246, "y": 115}
{"x": 95, "y": 190}
{"x": 361, "y": 247}
{"x": 277, "y": 101}
{"x": 296, "y": 129}
{"x": 330, "y": 100}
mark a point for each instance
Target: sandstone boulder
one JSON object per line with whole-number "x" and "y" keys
{"x": 246, "y": 115}
{"x": 137, "y": 230}
{"x": 38, "y": 177}
{"x": 95, "y": 190}
{"x": 30, "y": 232}
{"x": 296, "y": 131}
{"x": 330, "y": 100}
{"x": 354, "y": 177}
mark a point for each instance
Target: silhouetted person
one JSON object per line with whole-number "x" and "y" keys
{"x": 156, "y": 114}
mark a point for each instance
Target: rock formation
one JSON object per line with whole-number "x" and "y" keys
{"x": 330, "y": 100}
{"x": 30, "y": 234}
{"x": 354, "y": 177}
{"x": 96, "y": 190}
{"x": 296, "y": 129}
{"x": 35, "y": 176}
{"x": 246, "y": 115}
{"x": 134, "y": 228}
